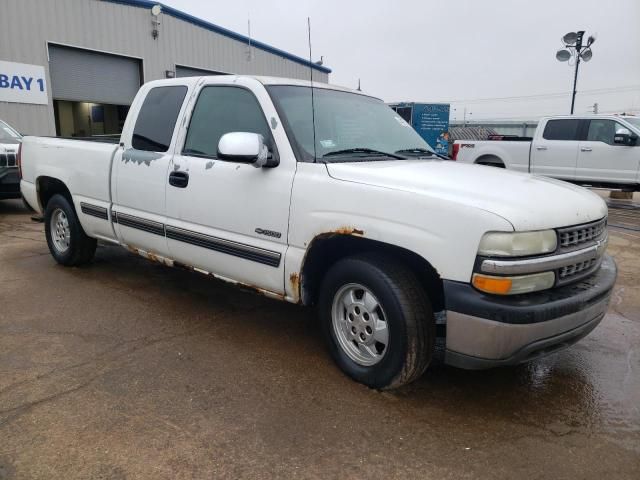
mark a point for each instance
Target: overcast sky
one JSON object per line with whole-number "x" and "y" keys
{"x": 456, "y": 51}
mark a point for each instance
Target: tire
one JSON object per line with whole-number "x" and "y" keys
{"x": 402, "y": 304}
{"x": 79, "y": 247}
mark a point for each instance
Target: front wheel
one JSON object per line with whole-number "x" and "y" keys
{"x": 377, "y": 321}
{"x": 67, "y": 242}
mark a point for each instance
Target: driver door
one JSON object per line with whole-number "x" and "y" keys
{"x": 600, "y": 159}
{"x": 229, "y": 218}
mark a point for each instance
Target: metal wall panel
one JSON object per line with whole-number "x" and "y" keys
{"x": 26, "y": 27}
{"x": 193, "y": 72}
{"x": 86, "y": 76}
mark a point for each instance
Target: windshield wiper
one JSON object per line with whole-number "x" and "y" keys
{"x": 366, "y": 151}
{"x": 421, "y": 151}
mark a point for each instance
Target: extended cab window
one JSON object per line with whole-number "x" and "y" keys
{"x": 562, "y": 129}
{"x": 157, "y": 118}
{"x": 221, "y": 110}
{"x": 603, "y": 131}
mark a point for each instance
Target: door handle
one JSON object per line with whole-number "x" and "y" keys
{"x": 585, "y": 149}
{"x": 179, "y": 179}
{"x": 541, "y": 148}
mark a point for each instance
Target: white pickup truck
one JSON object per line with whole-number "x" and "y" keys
{"x": 395, "y": 247}
{"x": 595, "y": 150}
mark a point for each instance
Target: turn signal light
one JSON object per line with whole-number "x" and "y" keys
{"x": 498, "y": 285}
{"x": 514, "y": 285}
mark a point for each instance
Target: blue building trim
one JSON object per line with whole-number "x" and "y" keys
{"x": 222, "y": 31}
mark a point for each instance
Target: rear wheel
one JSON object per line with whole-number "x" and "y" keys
{"x": 67, "y": 242}
{"x": 377, "y": 321}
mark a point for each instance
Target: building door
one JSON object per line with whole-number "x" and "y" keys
{"x": 90, "y": 89}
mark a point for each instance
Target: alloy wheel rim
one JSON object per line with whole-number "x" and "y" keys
{"x": 60, "y": 231}
{"x": 360, "y": 324}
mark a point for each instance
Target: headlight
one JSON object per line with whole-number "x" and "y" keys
{"x": 514, "y": 285}
{"x": 517, "y": 244}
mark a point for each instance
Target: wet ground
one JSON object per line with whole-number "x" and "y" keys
{"x": 127, "y": 369}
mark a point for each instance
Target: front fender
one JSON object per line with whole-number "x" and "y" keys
{"x": 443, "y": 232}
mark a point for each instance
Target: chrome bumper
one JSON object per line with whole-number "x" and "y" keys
{"x": 484, "y": 331}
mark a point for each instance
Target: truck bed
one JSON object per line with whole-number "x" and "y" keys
{"x": 95, "y": 138}
{"x": 513, "y": 155}
{"x": 84, "y": 166}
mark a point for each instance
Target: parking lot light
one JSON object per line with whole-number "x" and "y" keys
{"x": 575, "y": 49}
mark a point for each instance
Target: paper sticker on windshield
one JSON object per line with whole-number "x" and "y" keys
{"x": 327, "y": 143}
{"x": 401, "y": 121}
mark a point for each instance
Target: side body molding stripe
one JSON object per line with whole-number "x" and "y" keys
{"x": 237, "y": 249}
{"x": 138, "y": 223}
{"x": 241, "y": 250}
{"x": 94, "y": 211}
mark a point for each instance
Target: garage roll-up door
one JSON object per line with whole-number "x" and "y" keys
{"x": 193, "y": 72}
{"x": 85, "y": 76}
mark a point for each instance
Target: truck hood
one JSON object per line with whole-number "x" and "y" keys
{"x": 527, "y": 201}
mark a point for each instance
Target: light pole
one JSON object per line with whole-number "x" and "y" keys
{"x": 574, "y": 48}
{"x": 464, "y": 116}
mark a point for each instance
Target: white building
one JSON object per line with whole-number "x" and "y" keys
{"x": 72, "y": 67}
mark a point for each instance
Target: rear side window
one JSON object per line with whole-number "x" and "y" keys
{"x": 564, "y": 129}
{"x": 157, "y": 118}
{"x": 221, "y": 110}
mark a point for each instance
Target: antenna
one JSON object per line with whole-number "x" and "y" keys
{"x": 313, "y": 105}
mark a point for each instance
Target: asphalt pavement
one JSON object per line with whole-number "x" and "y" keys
{"x": 127, "y": 369}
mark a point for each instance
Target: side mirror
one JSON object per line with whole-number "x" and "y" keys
{"x": 245, "y": 147}
{"x": 624, "y": 136}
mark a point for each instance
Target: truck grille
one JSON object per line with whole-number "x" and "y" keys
{"x": 578, "y": 236}
{"x": 580, "y": 253}
{"x": 8, "y": 160}
{"x": 568, "y": 272}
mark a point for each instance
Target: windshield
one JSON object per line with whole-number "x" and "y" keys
{"x": 348, "y": 126}
{"x": 635, "y": 121}
{"x": 8, "y": 134}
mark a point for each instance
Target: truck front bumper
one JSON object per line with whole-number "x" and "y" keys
{"x": 485, "y": 331}
{"x": 9, "y": 183}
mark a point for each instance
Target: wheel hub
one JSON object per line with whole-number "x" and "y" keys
{"x": 60, "y": 231}
{"x": 360, "y": 324}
